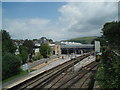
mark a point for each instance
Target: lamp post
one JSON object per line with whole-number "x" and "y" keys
{"x": 67, "y": 52}
{"x": 73, "y": 63}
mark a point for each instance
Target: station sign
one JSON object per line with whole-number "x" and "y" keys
{"x": 97, "y": 46}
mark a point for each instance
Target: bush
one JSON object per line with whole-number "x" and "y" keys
{"x": 39, "y": 56}
{"x": 10, "y": 65}
{"x": 108, "y": 73}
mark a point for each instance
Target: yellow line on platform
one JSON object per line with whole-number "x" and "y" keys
{"x": 53, "y": 60}
{"x": 39, "y": 66}
{"x": 44, "y": 64}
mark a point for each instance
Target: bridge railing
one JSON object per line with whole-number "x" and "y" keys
{"x": 116, "y": 54}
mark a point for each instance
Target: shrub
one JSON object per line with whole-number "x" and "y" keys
{"x": 10, "y": 65}
{"x": 39, "y": 56}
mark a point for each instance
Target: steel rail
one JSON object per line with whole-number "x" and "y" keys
{"x": 76, "y": 77}
{"x": 32, "y": 80}
{"x": 51, "y": 77}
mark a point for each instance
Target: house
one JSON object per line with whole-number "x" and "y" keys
{"x": 56, "y": 49}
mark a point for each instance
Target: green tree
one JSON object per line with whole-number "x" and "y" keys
{"x": 23, "y": 53}
{"x": 7, "y": 44}
{"x": 111, "y": 32}
{"x": 34, "y": 39}
{"x": 110, "y": 61}
{"x": 10, "y": 65}
{"x": 10, "y": 62}
{"x": 101, "y": 39}
{"x": 45, "y": 50}
{"x": 29, "y": 45}
{"x": 50, "y": 40}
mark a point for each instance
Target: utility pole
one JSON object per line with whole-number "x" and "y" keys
{"x": 26, "y": 65}
{"x": 47, "y": 56}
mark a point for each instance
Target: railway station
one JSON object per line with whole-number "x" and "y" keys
{"x": 60, "y": 72}
{"x": 63, "y": 44}
{"x": 74, "y": 68}
{"x": 78, "y": 49}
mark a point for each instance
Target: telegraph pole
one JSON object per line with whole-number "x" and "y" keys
{"x": 47, "y": 56}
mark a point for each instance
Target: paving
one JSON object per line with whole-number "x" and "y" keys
{"x": 38, "y": 62}
{"x": 51, "y": 65}
{"x": 43, "y": 64}
{"x": 84, "y": 62}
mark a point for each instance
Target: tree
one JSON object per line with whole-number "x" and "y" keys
{"x": 111, "y": 31}
{"x": 50, "y": 40}
{"x": 23, "y": 53}
{"x": 7, "y": 44}
{"x": 10, "y": 65}
{"x": 34, "y": 39}
{"x": 101, "y": 39}
{"x": 45, "y": 50}
{"x": 10, "y": 62}
{"x": 29, "y": 45}
{"x": 110, "y": 62}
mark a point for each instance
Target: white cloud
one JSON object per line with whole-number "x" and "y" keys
{"x": 29, "y": 28}
{"x": 76, "y": 20}
{"x": 86, "y": 19}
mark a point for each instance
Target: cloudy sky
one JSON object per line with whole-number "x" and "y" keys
{"x": 0, "y": 15}
{"x": 57, "y": 20}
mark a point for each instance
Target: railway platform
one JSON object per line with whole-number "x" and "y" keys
{"x": 44, "y": 67}
{"x": 38, "y": 69}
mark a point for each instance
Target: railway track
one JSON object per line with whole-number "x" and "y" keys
{"x": 84, "y": 79}
{"x": 87, "y": 80}
{"x": 46, "y": 77}
{"x": 70, "y": 80}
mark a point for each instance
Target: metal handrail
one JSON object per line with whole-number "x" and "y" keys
{"x": 115, "y": 53}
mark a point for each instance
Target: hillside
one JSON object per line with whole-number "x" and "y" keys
{"x": 84, "y": 40}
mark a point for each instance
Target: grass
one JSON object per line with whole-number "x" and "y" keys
{"x": 22, "y": 73}
{"x": 86, "y": 40}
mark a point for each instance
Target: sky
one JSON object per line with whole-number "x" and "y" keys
{"x": 56, "y": 20}
{"x": 0, "y": 14}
